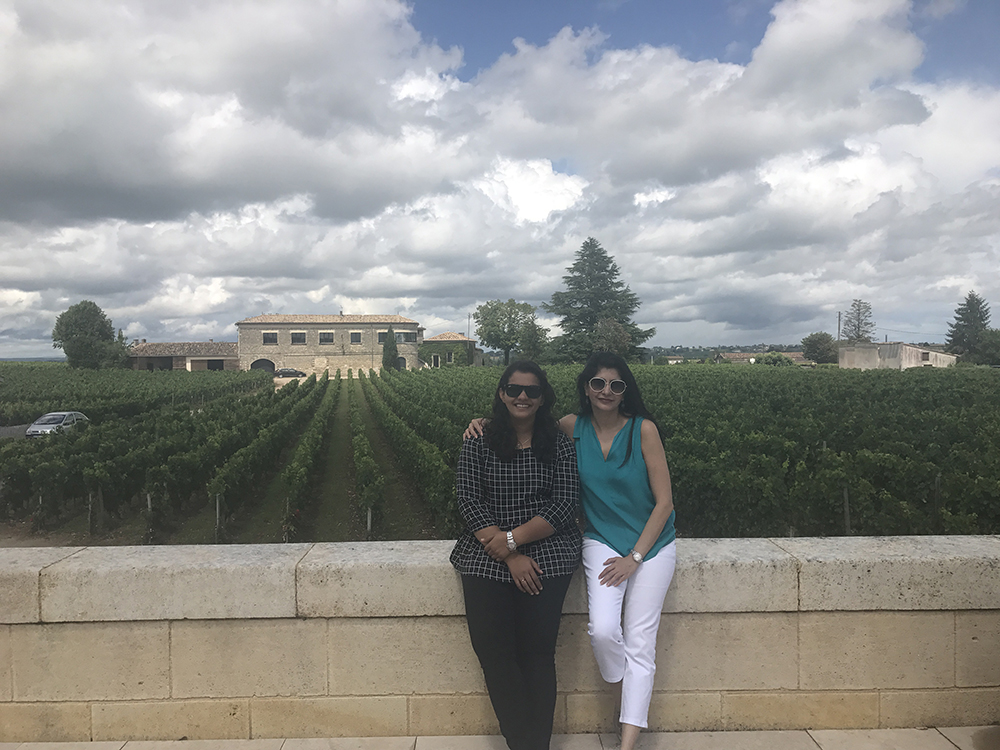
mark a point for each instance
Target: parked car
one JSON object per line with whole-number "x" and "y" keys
{"x": 55, "y": 421}
{"x": 288, "y": 372}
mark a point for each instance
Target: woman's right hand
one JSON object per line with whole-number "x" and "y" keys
{"x": 526, "y": 572}
{"x": 475, "y": 429}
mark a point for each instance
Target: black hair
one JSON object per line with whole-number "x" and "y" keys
{"x": 500, "y": 434}
{"x": 631, "y": 404}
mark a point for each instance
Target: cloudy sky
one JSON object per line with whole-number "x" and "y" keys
{"x": 752, "y": 166}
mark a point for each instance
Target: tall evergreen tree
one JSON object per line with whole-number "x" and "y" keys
{"x": 858, "y": 324}
{"x": 594, "y": 292}
{"x": 972, "y": 320}
{"x": 390, "y": 353}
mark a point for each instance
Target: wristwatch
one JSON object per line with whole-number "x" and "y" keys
{"x": 511, "y": 544}
{"x": 635, "y": 555}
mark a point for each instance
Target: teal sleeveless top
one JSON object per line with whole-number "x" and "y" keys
{"x": 616, "y": 498}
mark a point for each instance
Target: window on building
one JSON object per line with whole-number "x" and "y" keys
{"x": 298, "y": 337}
{"x": 381, "y": 336}
{"x": 435, "y": 360}
{"x": 925, "y": 356}
{"x": 326, "y": 337}
{"x": 355, "y": 337}
{"x": 271, "y": 337}
{"x": 451, "y": 357}
{"x": 406, "y": 337}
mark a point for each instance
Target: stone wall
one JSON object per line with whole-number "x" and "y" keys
{"x": 299, "y": 640}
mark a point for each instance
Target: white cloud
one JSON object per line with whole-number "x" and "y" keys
{"x": 186, "y": 166}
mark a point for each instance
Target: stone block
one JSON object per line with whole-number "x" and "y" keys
{"x": 881, "y": 739}
{"x": 865, "y": 650}
{"x": 379, "y": 579}
{"x": 171, "y": 720}
{"x": 576, "y": 668}
{"x": 977, "y": 649}
{"x": 91, "y": 661}
{"x": 726, "y": 741}
{"x": 972, "y": 738}
{"x": 402, "y": 655}
{"x": 733, "y": 575}
{"x": 351, "y": 743}
{"x": 940, "y": 708}
{"x": 44, "y": 722}
{"x": 897, "y": 573}
{"x": 670, "y": 712}
{"x": 20, "y": 568}
{"x": 734, "y": 651}
{"x": 172, "y": 582}
{"x": 685, "y": 712}
{"x": 801, "y": 710}
{"x": 236, "y": 658}
{"x": 203, "y": 745}
{"x": 432, "y": 715}
{"x": 355, "y": 716}
{"x": 6, "y": 674}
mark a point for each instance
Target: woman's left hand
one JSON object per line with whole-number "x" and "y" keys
{"x": 496, "y": 546}
{"x": 617, "y": 569}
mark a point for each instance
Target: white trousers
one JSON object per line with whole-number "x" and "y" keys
{"x": 623, "y": 624}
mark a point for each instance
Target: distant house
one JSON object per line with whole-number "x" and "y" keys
{"x": 892, "y": 355}
{"x": 450, "y": 348}
{"x": 314, "y": 343}
{"x": 197, "y": 355}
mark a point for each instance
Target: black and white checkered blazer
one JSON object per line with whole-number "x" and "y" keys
{"x": 492, "y": 492}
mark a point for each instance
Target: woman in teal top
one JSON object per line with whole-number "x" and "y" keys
{"x": 628, "y": 546}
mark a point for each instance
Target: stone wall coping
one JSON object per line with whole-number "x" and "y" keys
{"x": 414, "y": 578}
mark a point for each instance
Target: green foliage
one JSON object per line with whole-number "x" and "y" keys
{"x": 775, "y": 359}
{"x": 858, "y": 326}
{"x": 298, "y": 472}
{"x": 461, "y": 353}
{"x": 507, "y": 326}
{"x": 390, "y": 353}
{"x": 968, "y": 334}
{"x": 87, "y": 337}
{"x": 611, "y": 336}
{"x": 594, "y": 292}
{"x": 369, "y": 481}
{"x": 821, "y": 348}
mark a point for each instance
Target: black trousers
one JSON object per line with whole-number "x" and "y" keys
{"x": 514, "y": 636}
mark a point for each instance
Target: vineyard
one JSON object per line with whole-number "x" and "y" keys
{"x": 216, "y": 457}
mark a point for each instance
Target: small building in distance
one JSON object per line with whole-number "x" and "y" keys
{"x": 314, "y": 343}
{"x": 450, "y": 348}
{"x": 892, "y": 355}
{"x": 191, "y": 356}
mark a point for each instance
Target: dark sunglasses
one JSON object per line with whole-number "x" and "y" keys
{"x": 531, "y": 391}
{"x": 617, "y": 386}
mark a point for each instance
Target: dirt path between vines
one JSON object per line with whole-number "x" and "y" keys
{"x": 403, "y": 513}
{"x": 335, "y": 516}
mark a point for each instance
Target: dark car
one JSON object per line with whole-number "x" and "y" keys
{"x": 289, "y": 372}
{"x": 55, "y": 421}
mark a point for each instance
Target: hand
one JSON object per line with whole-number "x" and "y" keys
{"x": 526, "y": 573}
{"x": 617, "y": 569}
{"x": 475, "y": 429}
{"x": 496, "y": 546}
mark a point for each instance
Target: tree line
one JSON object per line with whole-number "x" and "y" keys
{"x": 969, "y": 334}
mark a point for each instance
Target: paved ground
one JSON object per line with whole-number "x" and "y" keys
{"x": 953, "y": 738}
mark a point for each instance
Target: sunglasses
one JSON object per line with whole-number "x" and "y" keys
{"x": 531, "y": 391}
{"x": 617, "y": 386}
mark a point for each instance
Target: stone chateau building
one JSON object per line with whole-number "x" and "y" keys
{"x": 314, "y": 343}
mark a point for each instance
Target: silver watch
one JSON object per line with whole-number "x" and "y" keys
{"x": 635, "y": 555}
{"x": 511, "y": 544}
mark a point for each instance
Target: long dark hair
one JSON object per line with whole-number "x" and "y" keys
{"x": 631, "y": 404}
{"x": 500, "y": 434}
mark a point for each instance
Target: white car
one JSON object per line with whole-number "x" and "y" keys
{"x": 55, "y": 421}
